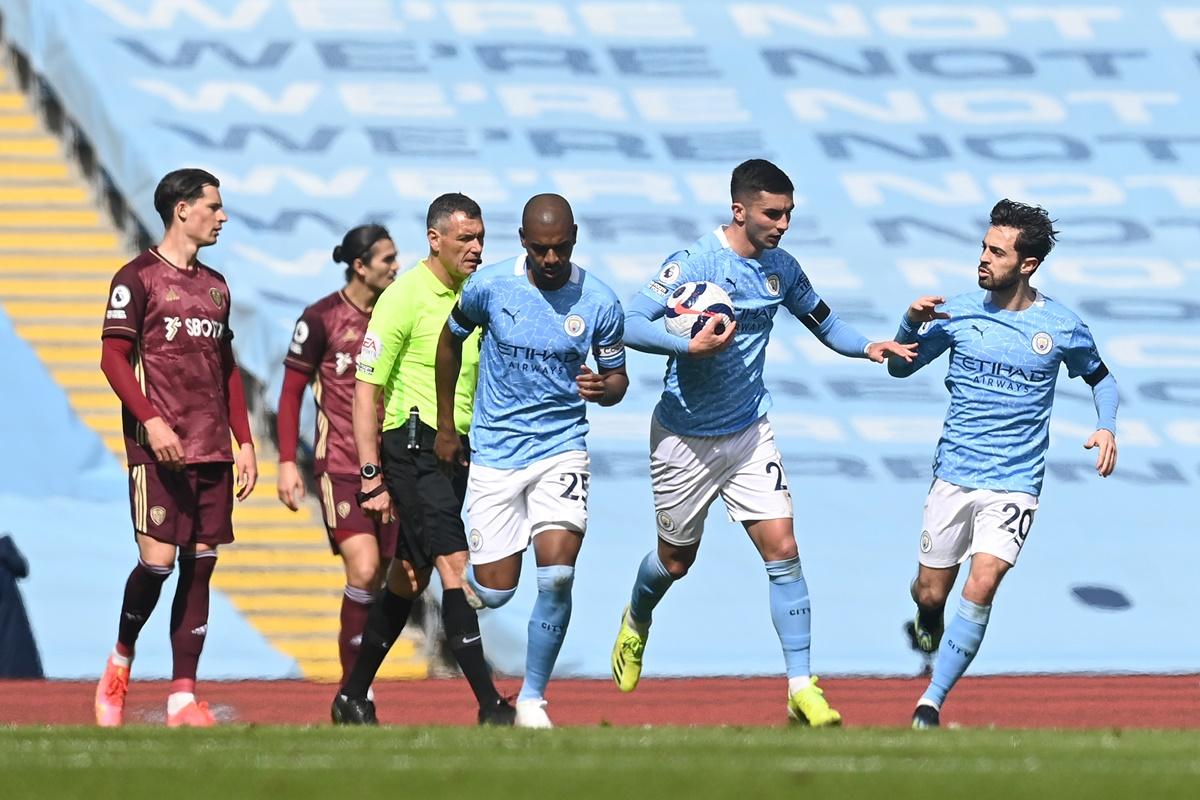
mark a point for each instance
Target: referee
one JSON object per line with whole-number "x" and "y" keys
{"x": 397, "y": 360}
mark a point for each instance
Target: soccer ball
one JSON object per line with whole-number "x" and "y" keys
{"x": 690, "y": 306}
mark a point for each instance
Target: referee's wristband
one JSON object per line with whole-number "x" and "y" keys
{"x": 363, "y": 497}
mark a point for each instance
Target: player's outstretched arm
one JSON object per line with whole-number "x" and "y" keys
{"x": 606, "y": 387}
{"x": 447, "y": 447}
{"x": 922, "y": 310}
{"x": 826, "y": 325}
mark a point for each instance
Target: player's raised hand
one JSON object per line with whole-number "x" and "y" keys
{"x": 245, "y": 470}
{"x": 448, "y": 450}
{"x": 290, "y": 486}
{"x": 591, "y": 384}
{"x": 165, "y": 443}
{"x": 924, "y": 309}
{"x": 881, "y": 351}
{"x": 1106, "y": 459}
{"x": 708, "y": 342}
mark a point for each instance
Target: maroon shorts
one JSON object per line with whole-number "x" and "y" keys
{"x": 344, "y": 518}
{"x": 187, "y": 507}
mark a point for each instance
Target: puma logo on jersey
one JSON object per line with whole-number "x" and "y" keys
{"x": 512, "y": 314}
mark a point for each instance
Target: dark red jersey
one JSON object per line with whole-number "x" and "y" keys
{"x": 178, "y": 320}
{"x": 324, "y": 345}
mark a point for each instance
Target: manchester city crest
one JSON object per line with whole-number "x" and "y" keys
{"x": 574, "y": 325}
{"x": 1042, "y": 343}
{"x": 773, "y": 285}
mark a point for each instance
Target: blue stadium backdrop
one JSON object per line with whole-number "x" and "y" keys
{"x": 900, "y": 124}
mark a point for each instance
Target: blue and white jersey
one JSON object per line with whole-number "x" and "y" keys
{"x": 527, "y": 404}
{"x": 725, "y": 393}
{"x": 1003, "y": 367}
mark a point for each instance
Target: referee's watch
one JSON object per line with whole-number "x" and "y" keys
{"x": 369, "y": 472}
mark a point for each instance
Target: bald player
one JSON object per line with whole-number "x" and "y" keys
{"x": 529, "y": 474}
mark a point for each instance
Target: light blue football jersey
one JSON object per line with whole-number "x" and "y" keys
{"x": 527, "y": 404}
{"x": 1003, "y": 367}
{"x": 725, "y": 393}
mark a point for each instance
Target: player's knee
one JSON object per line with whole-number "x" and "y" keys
{"x": 784, "y": 570}
{"x": 556, "y": 579}
{"x": 677, "y": 565}
{"x": 362, "y": 576}
{"x": 931, "y": 597}
{"x": 981, "y": 589}
{"x": 493, "y": 598}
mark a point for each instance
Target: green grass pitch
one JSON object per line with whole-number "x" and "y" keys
{"x": 281, "y": 763}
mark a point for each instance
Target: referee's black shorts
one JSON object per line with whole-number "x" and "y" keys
{"x": 428, "y": 503}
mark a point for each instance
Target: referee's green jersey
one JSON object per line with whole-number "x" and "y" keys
{"x": 400, "y": 349}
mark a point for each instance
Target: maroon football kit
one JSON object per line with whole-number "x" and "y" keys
{"x": 177, "y": 320}
{"x": 325, "y": 343}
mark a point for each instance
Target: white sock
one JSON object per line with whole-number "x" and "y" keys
{"x": 120, "y": 660}
{"x": 177, "y": 701}
{"x": 641, "y": 628}
{"x": 798, "y": 682}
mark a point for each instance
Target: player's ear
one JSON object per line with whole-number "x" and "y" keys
{"x": 181, "y": 209}
{"x": 739, "y": 212}
{"x": 1029, "y": 266}
{"x": 521, "y": 236}
{"x": 574, "y": 234}
{"x": 434, "y": 240}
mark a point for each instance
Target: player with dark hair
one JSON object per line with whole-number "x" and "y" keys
{"x": 325, "y": 342}
{"x": 1006, "y": 345}
{"x": 167, "y": 353}
{"x": 710, "y": 434}
{"x": 397, "y": 362}
{"x": 544, "y": 316}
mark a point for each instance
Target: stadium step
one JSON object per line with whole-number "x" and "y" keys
{"x": 58, "y": 254}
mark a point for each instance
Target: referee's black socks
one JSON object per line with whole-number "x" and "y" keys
{"x": 462, "y": 634}
{"x": 385, "y": 622}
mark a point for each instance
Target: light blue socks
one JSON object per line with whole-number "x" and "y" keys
{"x": 651, "y": 584}
{"x": 790, "y": 613}
{"x": 960, "y": 642}
{"x": 547, "y": 628}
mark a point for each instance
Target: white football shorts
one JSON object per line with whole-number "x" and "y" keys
{"x": 688, "y": 472}
{"x": 959, "y": 522}
{"x": 506, "y": 508}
